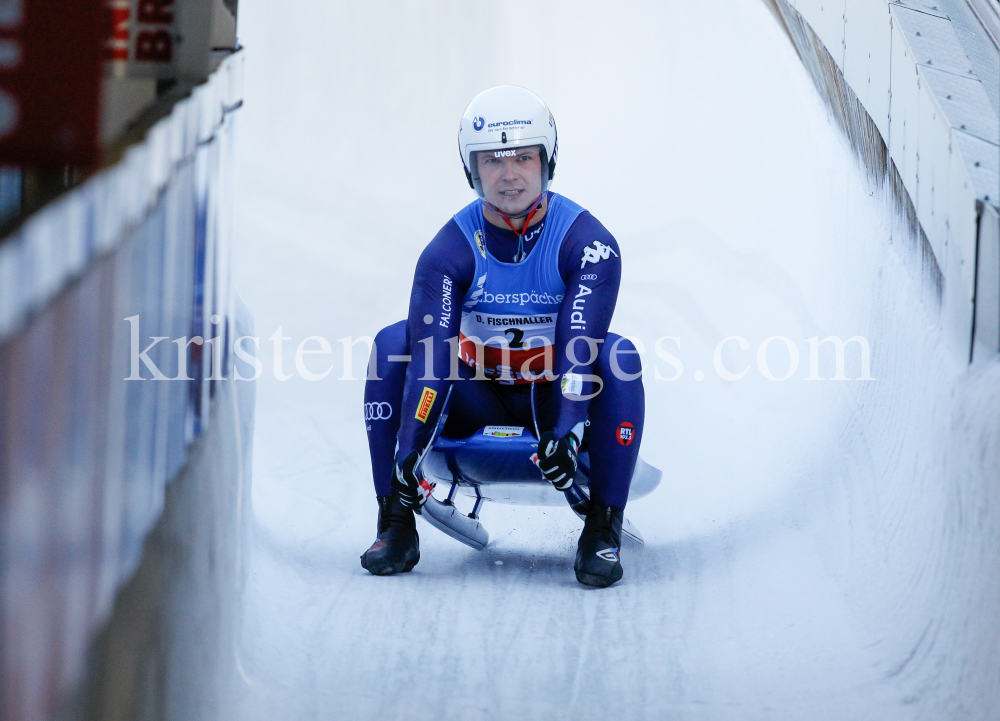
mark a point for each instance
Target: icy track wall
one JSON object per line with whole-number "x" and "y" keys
{"x": 121, "y": 501}
{"x": 899, "y": 81}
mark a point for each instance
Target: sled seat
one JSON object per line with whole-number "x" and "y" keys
{"x": 496, "y": 462}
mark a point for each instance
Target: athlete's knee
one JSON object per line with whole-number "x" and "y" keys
{"x": 620, "y": 358}
{"x": 391, "y": 340}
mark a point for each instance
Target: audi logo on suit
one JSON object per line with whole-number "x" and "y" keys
{"x": 378, "y": 411}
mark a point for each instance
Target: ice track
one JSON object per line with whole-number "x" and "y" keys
{"x": 817, "y": 550}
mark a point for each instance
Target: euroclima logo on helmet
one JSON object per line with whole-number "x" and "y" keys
{"x": 478, "y": 123}
{"x": 507, "y": 124}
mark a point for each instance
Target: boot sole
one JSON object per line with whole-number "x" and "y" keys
{"x": 389, "y": 569}
{"x": 590, "y": 579}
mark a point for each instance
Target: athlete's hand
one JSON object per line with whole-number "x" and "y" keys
{"x": 412, "y": 488}
{"x": 556, "y": 458}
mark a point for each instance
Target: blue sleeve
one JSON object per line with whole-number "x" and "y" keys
{"x": 591, "y": 266}
{"x": 443, "y": 275}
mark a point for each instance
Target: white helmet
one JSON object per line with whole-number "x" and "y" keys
{"x": 507, "y": 117}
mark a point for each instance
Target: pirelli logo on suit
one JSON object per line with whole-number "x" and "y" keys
{"x": 426, "y": 403}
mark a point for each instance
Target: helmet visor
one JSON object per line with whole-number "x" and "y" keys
{"x": 510, "y": 179}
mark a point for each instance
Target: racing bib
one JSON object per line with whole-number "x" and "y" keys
{"x": 509, "y": 348}
{"x": 509, "y": 314}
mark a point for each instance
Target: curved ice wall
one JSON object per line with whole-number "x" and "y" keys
{"x": 920, "y": 514}
{"x": 120, "y": 496}
{"x": 899, "y": 80}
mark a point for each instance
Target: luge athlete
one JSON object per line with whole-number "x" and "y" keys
{"x": 521, "y": 286}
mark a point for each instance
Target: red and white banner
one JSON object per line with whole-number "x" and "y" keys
{"x": 144, "y": 37}
{"x": 160, "y": 38}
{"x": 53, "y": 58}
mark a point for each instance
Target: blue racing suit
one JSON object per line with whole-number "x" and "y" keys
{"x": 490, "y": 326}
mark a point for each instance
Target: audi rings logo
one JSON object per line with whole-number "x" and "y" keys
{"x": 478, "y": 123}
{"x": 378, "y": 411}
{"x": 589, "y": 276}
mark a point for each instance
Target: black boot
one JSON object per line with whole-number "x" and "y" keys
{"x": 397, "y": 546}
{"x": 597, "y": 553}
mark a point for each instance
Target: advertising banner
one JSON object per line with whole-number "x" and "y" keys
{"x": 163, "y": 39}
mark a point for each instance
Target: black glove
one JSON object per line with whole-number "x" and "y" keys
{"x": 557, "y": 459}
{"x": 413, "y": 490}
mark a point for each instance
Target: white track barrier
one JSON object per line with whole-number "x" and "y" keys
{"x": 906, "y": 65}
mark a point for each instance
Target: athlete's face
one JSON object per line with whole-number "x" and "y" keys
{"x": 511, "y": 179}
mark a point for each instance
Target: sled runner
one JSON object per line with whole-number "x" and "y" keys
{"x": 494, "y": 464}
